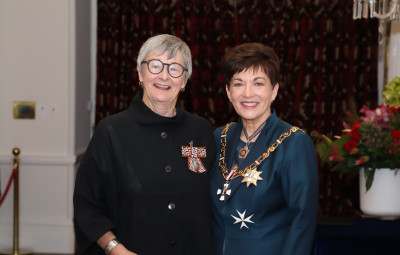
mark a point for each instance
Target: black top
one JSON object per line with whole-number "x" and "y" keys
{"x": 135, "y": 181}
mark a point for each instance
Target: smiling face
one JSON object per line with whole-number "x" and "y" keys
{"x": 160, "y": 91}
{"x": 251, "y": 94}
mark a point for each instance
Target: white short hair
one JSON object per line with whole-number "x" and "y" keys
{"x": 167, "y": 43}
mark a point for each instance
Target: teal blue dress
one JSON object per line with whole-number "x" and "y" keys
{"x": 273, "y": 209}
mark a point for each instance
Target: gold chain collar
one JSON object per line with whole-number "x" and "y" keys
{"x": 257, "y": 162}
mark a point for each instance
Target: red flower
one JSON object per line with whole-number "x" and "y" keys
{"x": 349, "y": 145}
{"x": 395, "y": 134}
{"x": 355, "y": 126}
{"x": 394, "y": 109}
{"x": 355, "y": 135}
{"x": 335, "y": 158}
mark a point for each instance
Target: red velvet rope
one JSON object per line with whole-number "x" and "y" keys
{"x": 8, "y": 185}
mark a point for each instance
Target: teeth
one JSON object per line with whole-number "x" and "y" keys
{"x": 250, "y": 104}
{"x": 162, "y": 86}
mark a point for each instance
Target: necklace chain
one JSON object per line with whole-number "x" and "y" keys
{"x": 257, "y": 162}
{"x": 258, "y": 130}
{"x": 246, "y": 149}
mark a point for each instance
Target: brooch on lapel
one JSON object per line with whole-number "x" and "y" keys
{"x": 194, "y": 155}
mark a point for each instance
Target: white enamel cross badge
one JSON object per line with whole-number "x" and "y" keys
{"x": 242, "y": 219}
{"x": 225, "y": 191}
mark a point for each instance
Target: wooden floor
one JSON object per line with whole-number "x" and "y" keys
{"x": 29, "y": 253}
{"x": 51, "y": 254}
{"x": 24, "y": 252}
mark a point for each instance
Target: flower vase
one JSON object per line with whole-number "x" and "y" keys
{"x": 383, "y": 198}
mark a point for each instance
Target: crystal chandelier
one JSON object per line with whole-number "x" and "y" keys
{"x": 381, "y": 9}
{"x": 384, "y": 10}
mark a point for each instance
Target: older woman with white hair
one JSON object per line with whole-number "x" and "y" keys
{"x": 142, "y": 187}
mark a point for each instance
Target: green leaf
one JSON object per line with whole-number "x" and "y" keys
{"x": 369, "y": 177}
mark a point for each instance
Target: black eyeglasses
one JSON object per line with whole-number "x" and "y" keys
{"x": 155, "y": 66}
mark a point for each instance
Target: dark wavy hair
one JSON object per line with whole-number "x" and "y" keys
{"x": 251, "y": 55}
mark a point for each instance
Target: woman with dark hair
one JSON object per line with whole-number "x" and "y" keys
{"x": 264, "y": 187}
{"x": 142, "y": 187}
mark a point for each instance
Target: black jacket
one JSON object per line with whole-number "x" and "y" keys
{"x": 134, "y": 181}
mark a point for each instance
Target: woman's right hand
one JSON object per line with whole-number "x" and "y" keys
{"x": 121, "y": 250}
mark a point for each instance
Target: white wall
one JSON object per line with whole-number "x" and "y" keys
{"x": 45, "y": 56}
{"x": 35, "y": 65}
{"x": 394, "y": 52}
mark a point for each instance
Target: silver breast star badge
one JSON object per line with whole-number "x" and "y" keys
{"x": 242, "y": 219}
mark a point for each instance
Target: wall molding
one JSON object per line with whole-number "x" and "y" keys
{"x": 43, "y": 160}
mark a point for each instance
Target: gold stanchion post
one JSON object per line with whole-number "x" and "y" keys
{"x": 16, "y": 250}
